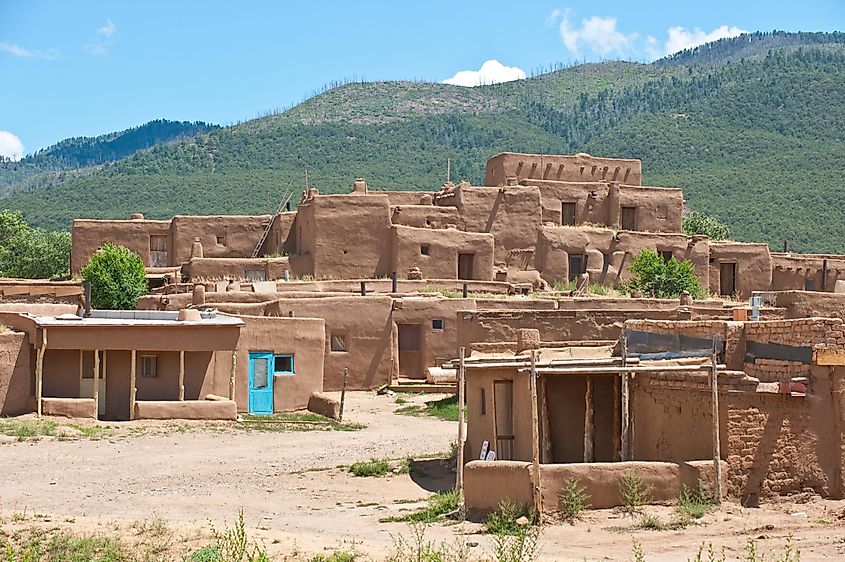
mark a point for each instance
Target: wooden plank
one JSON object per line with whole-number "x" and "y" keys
{"x": 132, "y": 389}
{"x": 232, "y": 376}
{"x": 626, "y": 419}
{"x": 553, "y": 371}
{"x": 39, "y": 373}
{"x": 589, "y": 422}
{"x": 717, "y": 462}
{"x": 829, "y": 357}
{"x": 617, "y": 417}
{"x": 96, "y": 384}
{"x": 535, "y": 442}
{"x": 459, "y": 484}
{"x": 343, "y": 394}
{"x": 105, "y": 397}
{"x": 181, "y": 375}
{"x": 545, "y": 429}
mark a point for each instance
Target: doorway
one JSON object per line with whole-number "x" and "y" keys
{"x": 86, "y": 380}
{"x": 260, "y": 383}
{"x": 727, "y": 279}
{"x": 410, "y": 351}
{"x": 465, "y": 262}
{"x": 503, "y": 409}
{"x": 158, "y": 250}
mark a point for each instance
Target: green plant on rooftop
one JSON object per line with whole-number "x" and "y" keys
{"x": 663, "y": 279}
{"x": 117, "y": 278}
{"x": 700, "y": 223}
{"x": 31, "y": 253}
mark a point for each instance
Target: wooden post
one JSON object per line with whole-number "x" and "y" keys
{"x": 714, "y": 392}
{"x": 132, "y": 389}
{"x": 105, "y": 397}
{"x": 39, "y": 373}
{"x": 363, "y": 288}
{"x": 96, "y": 384}
{"x": 232, "y": 375}
{"x": 545, "y": 430}
{"x": 625, "y": 452}
{"x": 181, "y": 375}
{"x": 343, "y": 394}
{"x": 459, "y": 480}
{"x": 589, "y": 422}
{"x": 535, "y": 441}
{"x": 617, "y": 417}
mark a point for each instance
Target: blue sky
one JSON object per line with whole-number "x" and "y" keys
{"x": 90, "y": 67}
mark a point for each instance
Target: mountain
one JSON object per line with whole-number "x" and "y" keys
{"x": 81, "y": 155}
{"x": 750, "y": 127}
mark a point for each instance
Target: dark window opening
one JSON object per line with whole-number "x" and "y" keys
{"x": 666, "y": 255}
{"x": 338, "y": 342}
{"x": 629, "y": 218}
{"x": 465, "y": 263}
{"x": 567, "y": 214}
{"x": 437, "y": 324}
{"x": 149, "y": 366}
{"x": 283, "y": 364}
{"x": 221, "y": 240}
{"x": 424, "y": 248}
{"x": 577, "y": 266}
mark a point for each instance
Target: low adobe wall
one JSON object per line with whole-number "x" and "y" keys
{"x": 15, "y": 379}
{"x": 486, "y": 483}
{"x": 186, "y": 410}
{"x": 68, "y": 407}
{"x": 324, "y": 405}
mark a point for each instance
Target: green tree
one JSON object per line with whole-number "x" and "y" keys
{"x": 31, "y": 253}
{"x": 700, "y": 223}
{"x": 117, "y": 278}
{"x": 658, "y": 278}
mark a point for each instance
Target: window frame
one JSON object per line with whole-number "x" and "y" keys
{"x": 292, "y": 370}
{"x": 144, "y": 359}
{"x": 342, "y": 338}
{"x": 442, "y": 323}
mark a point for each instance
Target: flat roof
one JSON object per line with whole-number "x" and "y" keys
{"x": 137, "y": 318}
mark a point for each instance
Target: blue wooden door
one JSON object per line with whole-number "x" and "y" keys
{"x": 260, "y": 383}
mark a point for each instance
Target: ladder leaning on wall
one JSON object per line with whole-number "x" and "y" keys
{"x": 285, "y": 198}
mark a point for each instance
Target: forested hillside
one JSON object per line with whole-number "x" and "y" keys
{"x": 750, "y": 127}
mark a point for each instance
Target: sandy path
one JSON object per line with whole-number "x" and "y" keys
{"x": 292, "y": 494}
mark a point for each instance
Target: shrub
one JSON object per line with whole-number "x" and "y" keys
{"x": 117, "y": 278}
{"x": 504, "y": 521}
{"x": 658, "y": 278}
{"x": 373, "y": 467}
{"x": 699, "y": 223}
{"x": 523, "y": 546}
{"x": 31, "y": 252}
{"x": 440, "y": 504}
{"x": 633, "y": 492}
{"x": 572, "y": 500}
{"x": 696, "y": 503}
{"x": 651, "y": 522}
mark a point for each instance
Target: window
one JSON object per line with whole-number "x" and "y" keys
{"x": 283, "y": 364}
{"x": 483, "y": 401}
{"x": 255, "y": 275}
{"x": 629, "y": 218}
{"x": 665, "y": 254}
{"x": 149, "y": 366}
{"x": 424, "y": 248}
{"x": 567, "y": 214}
{"x": 605, "y": 262}
{"x": 338, "y": 342}
{"x": 221, "y": 240}
{"x": 437, "y": 324}
{"x": 577, "y": 265}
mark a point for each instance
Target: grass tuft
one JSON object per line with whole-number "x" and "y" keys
{"x": 373, "y": 467}
{"x": 440, "y": 504}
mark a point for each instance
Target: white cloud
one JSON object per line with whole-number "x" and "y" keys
{"x": 103, "y": 39}
{"x": 107, "y": 30}
{"x": 10, "y": 146}
{"x": 680, "y": 39}
{"x": 491, "y": 72}
{"x": 598, "y": 34}
{"x": 18, "y": 51}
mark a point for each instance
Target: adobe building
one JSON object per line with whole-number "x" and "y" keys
{"x": 187, "y": 364}
{"x": 648, "y": 404}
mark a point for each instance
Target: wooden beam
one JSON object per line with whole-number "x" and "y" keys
{"x": 343, "y": 394}
{"x": 535, "y": 441}
{"x": 105, "y": 397}
{"x": 232, "y": 376}
{"x": 589, "y": 422}
{"x": 132, "y": 389}
{"x": 558, "y": 371}
{"x": 39, "y": 373}
{"x": 96, "y": 384}
{"x": 624, "y": 452}
{"x": 545, "y": 429}
{"x": 717, "y": 460}
{"x": 181, "y": 375}
{"x": 617, "y": 417}
{"x": 459, "y": 479}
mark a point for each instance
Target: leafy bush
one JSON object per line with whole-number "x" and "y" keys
{"x": 505, "y": 520}
{"x": 572, "y": 500}
{"x": 373, "y": 467}
{"x": 696, "y": 503}
{"x": 699, "y": 223}
{"x": 117, "y": 278}
{"x": 658, "y": 278}
{"x": 633, "y": 492}
{"x": 31, "y": 253}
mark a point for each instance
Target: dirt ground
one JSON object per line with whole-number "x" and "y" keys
{"x": 296, "y": 493}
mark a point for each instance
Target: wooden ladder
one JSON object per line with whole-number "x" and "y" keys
{"x": 285, "y": 198}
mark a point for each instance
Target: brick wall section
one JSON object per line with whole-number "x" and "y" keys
{"x": 804, "y": 332}
{"x": 775, "y": 370}
{"x": 731, "y": 332}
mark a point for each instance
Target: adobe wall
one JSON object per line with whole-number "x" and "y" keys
{"x": 16, "y": 376}
{"x": 513, "y": 215}
{"x": 304, "y": 338}
{"x": 426, "y": 216}
{"x": 512, "y": 166}
{"x": 351, "y": 236}
{"x": 556, "y": 243}
{"x": 234, "y": 268}
{"x": 807, "y": 304}
{"x": 438, "y": 345}
{"x": 753, "y": 266}
{"x": 366, "y": 325}
{"x": 487, "y": 483}
{"x": 280, "y": 238}
{"x": 796, "y": 337}
{"x": 68, "y": 407}
{"x": 240, "y": 235}
{"x": 176, "y": 337}
{"x": 435, "y": 252}
{"x": 404, "y": 198}
{"x": 87, "y": 236}
{"x": 658, "y": 209}
{"x": 806, "y": 272}
{"x": 186, "y": 410}
{"x": 481, "y": 423}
